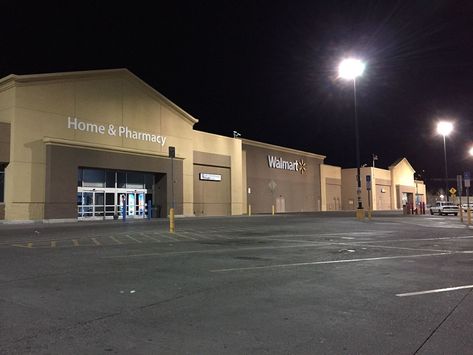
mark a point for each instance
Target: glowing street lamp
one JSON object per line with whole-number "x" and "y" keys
{"x": 471, "y": 151}
{"x": 444, "y": 128}
{"x": 350, "y": 69}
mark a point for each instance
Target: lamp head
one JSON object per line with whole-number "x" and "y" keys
{"x": 350, "y": 68}
{"x": 444, "y": 128}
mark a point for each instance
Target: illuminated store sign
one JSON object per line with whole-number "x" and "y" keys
{"x": 279, "y": 163}
{"x": 210, "y": 177}
{"x": 112, "y": 130}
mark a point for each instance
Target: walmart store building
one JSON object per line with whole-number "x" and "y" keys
{"x": 82, "y": 145}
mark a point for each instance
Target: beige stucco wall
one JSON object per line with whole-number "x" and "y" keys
{"x": 379, "y": 177}
{"x": 244, "y": 183}
{"x": 212, "y": 143}
{"x": 42, "y": 105}
{"x": 399, "y": 177}
{"x": 7, "y": 102}
{"x": 328, "y": 172}
{"x": 402, "y": 174}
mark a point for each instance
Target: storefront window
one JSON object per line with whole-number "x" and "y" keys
{"x": 121, "y": 179}
{"x": 110, "y": 178}
{"x": 93, "y": 178}
{"x": 134, "y": 180}
{"x": 114, "y": 179}
{"x": 149, "y": 180}
{"x": 2, "y": 182}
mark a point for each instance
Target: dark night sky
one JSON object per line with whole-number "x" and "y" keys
{"x": 268, "y": 68}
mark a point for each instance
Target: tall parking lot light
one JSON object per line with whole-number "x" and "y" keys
{"x": 350, "y": 69}
{"x": 445, "y": 128}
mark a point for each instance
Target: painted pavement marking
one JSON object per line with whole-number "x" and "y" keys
{"x": 115, "y": 239}
{"x": 328, "y": 262}
{"x": 438, "y": 290}
{"x": 134, "y": 239}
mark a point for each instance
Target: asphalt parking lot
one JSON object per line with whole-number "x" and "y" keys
{"x": 286, "y": 284}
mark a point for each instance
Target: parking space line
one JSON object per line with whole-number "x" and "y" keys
{"x": 328, "y": 262}
{"x": 96, "y": 242}
{"x": 75, "y": 242}
{"x": 150, "y": 237}
{"x": 134, "y": 239}
{"x": 209, "y": 251}
{"x": 174, "y": 239}
{"x": 392, "y": 247}
{"x": 448, "y": 289}
{"x": 185, "y": 236}
{"x": 115, "y": 239}
{"x": 53, "y": 244}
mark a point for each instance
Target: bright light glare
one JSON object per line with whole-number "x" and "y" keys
{"x": 350, "y": 68}
{"x": 444, "y": 128}
{"x": 471, "y": 151}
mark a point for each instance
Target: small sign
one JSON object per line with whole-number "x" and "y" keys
{"x": 172, "y": 152}
{"x": 368, "y": 182}
{"x": 466, "y": 178}
{"x": 452, "y": 191}
{"x": 459, "y": 184}
{"x": 210, "y": 177}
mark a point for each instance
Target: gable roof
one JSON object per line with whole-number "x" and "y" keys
{"x": 17, "y": 80}
{"x": 397, "y": 162}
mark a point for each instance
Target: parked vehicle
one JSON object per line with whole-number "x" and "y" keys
{"x": 444, "y": 208}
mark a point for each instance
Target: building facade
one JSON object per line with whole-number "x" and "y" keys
{"x": 97, "y": 144}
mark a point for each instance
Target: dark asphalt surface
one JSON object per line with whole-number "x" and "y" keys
{"x": 291, "y": 284}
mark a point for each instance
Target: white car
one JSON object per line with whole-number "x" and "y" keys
{"x": 444, "y": 208}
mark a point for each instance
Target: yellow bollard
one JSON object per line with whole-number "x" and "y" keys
{"x": 272, "y": 210}
{"x": 469, "y": 216}
{"x": 360, "y": 213}
{"x": 461, "y": 213}
{"x": 171, "y": 220}
{"x": 369, "y": 214}
{"x": 249, "y": 210}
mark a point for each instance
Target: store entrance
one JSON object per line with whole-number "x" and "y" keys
{"x": 108, "y": 203}
{"x": 91, "y": 204}
{"x": 136, "y": 203}
{"x": 107, "y": 194}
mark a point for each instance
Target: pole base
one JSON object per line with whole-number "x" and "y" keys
{"x": 360, "y": 213}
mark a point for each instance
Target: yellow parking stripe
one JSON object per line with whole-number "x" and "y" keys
{"x": 75, "y": 242}
{"x": 27, "y": 245}
{"x": 53, "y": 244}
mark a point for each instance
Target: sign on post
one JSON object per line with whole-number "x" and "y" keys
{"x": 368, "y": 182}
{"x": 466, "y": 178}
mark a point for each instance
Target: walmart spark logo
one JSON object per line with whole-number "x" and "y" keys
{"x": 302, "y": 166}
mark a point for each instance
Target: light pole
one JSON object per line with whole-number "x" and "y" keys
{"x": 350, "y": 69}
{"x": 445, "y": 128}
